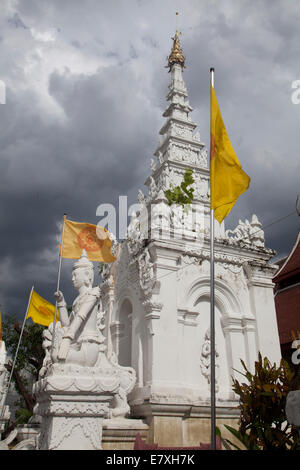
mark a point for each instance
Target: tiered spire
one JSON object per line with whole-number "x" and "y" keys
{"x": 179, "y": 106}
{"x": 179, "y": 145}
{"x": 178, "y": 141}
{"x": 179, "y": 149}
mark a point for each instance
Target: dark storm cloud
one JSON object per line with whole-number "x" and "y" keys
{"x": 86, "y": 88}
{"x": 51, "y": 169}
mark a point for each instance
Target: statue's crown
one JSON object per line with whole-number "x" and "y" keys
{"x": 83, "y": 262}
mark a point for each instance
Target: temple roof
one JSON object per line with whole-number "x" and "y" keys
{"x": 291, "y": 266}
{"x": 287, "y": 310}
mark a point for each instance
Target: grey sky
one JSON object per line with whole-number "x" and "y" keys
{"x": 86, "y": 87}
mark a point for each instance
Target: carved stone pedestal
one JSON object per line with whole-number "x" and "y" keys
{"x": 72, "y": 405}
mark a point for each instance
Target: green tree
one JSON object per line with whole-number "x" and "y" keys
{"x": 29, "y": 361}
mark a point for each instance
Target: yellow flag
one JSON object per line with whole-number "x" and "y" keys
{"x": 92, "y": 238}
{"x": 41, "y": 311}
{"x": 227, "y": 179}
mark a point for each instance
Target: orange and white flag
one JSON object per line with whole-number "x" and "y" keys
{"x": 92, "y": 238}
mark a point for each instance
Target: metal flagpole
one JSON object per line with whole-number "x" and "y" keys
{"x": 212, "y": 319}
{"x": 58, "y": 280}
{"x": 16, "y": 355}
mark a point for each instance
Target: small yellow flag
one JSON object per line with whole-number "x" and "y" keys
{"x": 227, "y": 179}
{"x": 41, "y": 311}
{"x": 94, "y": 239}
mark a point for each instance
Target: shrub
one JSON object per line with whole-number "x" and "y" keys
{"x": 263, "y": 424}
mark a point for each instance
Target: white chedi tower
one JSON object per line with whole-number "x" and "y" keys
{"x": 158, "y": 291}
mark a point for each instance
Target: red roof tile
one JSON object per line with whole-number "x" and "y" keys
{"x": 287, "y": 303}
{"x": 291, "y": 266}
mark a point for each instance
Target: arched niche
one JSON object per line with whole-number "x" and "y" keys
{"x": 223, "y": 358}
{"x": 225, "y": 298}
{"x": 122, "y": 333}
{"x": 229, "y": 335}
{"x": 128, "y": 333}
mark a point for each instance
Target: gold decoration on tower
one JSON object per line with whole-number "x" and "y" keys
{"x": 176, "y": 56}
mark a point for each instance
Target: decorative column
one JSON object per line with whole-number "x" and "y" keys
{"x": 233, "y": 330}
{"x": 249, "y": 329}
{"x": 260, "y": 285}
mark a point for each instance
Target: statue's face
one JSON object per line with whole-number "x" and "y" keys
{"x": 82, "y": 277}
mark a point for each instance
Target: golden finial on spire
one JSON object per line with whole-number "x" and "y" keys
{"x": 176, "y": 56}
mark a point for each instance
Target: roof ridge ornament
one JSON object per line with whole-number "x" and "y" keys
{"x": 176, "y": 56}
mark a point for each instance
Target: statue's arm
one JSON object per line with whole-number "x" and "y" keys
{"x": 62, "y": 307}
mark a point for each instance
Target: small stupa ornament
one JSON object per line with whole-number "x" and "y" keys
{"x": 176, "y": 56}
